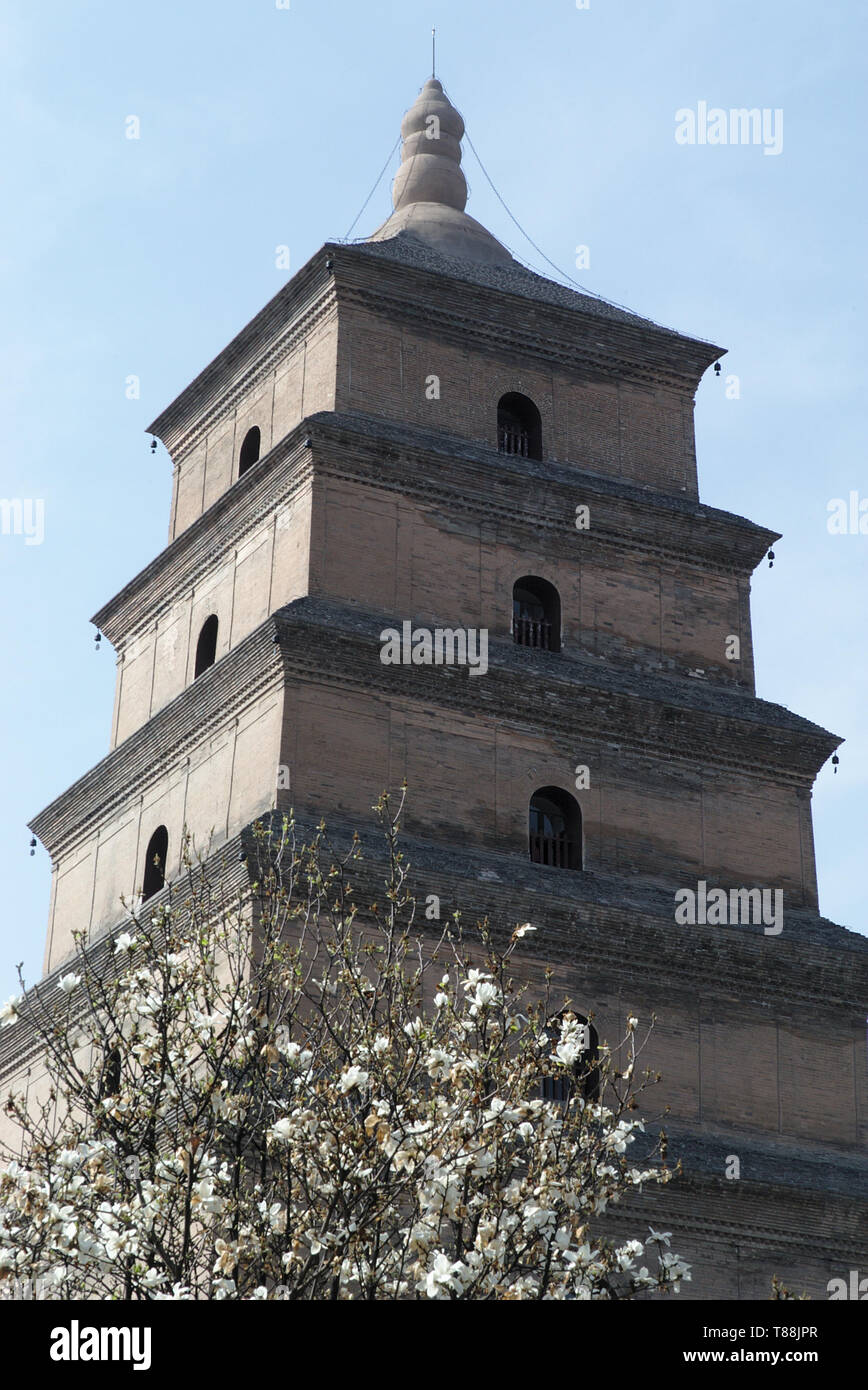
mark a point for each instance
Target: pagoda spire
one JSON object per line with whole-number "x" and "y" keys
{"x": 429, "y": 194}
{"x": 430, "y": 169}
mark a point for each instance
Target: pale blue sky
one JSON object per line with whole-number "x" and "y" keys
{"x": 261, "y": 127}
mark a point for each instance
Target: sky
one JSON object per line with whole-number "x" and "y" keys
{"x": 126, "y": 264}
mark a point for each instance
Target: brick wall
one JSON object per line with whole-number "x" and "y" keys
{"x": 612, "y": 427}
{"x": 301, "y": 384}
{"x": 472, "y": 779}
{"x": 209, "y": 792}
{"x": 388, "y": 553}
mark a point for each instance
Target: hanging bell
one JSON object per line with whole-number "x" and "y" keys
{"x": 835, "y": 761}
{"x": 33, "y": 846}
{"x": 97, "y": 639}
{"x": 153, "y": 446}
{"x": 771, "y": 558}
{"x": 717, "y": 369}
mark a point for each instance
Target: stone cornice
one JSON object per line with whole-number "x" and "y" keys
{"x": 534, "y": 501}
{"x": 608, "y": 932}
{"x": 615, "y": 931}
{"x": 803, "y": 1164}
{"x": 223, "y": 528}
{"x": 149, "y": 755}
{"x": 810, "y": 1224}
{"x": 229, "y": 884}
{"x": 494, "y": 319}
{"x": 308, "y": 298}
{"x": 527, "y": 495}
{"x": 575, "y": 703}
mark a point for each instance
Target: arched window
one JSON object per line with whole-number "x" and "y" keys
{"x": 155, "y": 863}
{"x": 110, "y": 1076}
{"x": 536, "y": 614}
{"x": 555, "y": 829}
{"x": 586, "y": 1070}
{"x": 249, "y": 450}
{"x": 519, "y": 426}
{"x": 206, "y": 647}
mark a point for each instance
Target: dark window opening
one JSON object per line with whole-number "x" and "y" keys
{"x": 155, "y": 863}
{"x": 110, "y": 1078}
{"x": 586, "y": 1071}
{"x": 536, "y": 614}
{"x": 249, "y": 450}
{"x": 206, "y": 647}
{"x": 519, "y": 426}
{"x": 555, "y": 829}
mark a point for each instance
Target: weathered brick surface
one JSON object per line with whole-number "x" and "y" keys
{"x": 615, "y": 429}
{"x": 364, "y": 328}
{"x": 438, "y": 531}
{"x": 725, "y": 1001}
{"x": 373, "y": 503}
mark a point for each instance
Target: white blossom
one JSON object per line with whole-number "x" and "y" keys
{"x": 439, "y": 1062}
{"x": 353, "y": 1077}
{"x": 473, "y": 979}
{"x": 658, "y": 1237}
{"x": 313, "y": 1138}
{"x": 282, "y": 1131}
{"x": 10, "y": 1010}
{"x": 485, "y": 994}
{"x": 440, "y": 1278}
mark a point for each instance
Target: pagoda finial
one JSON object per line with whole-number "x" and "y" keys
{"x": 429, "y": 193}
{"x": 430, "y": 169}
{"x": 433, "y": 52}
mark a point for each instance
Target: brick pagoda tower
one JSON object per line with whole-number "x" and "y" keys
{"x": 419, "y": 430}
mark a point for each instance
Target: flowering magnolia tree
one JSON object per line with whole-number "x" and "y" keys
{"x": 283, "y": 1100}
